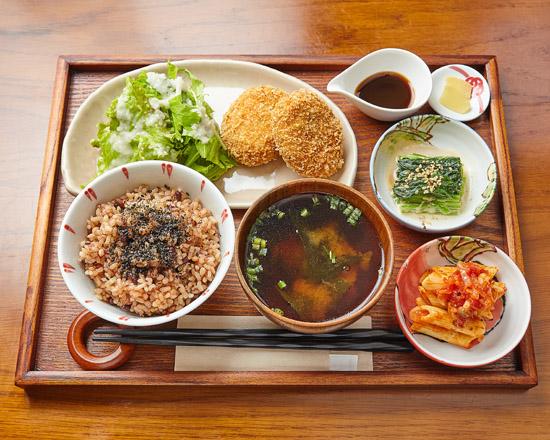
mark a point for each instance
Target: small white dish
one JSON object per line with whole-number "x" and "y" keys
{"x": 224, "y": 81}
{"x": 481, "y": 95}
{"x": 401, "y": 61}
{"x": 503, "y": 333}
{"x": 115, "y": 183}
{"x": 434, "y": 135}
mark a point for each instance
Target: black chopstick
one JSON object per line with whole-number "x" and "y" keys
{"x": 359, "y": 334}
{"x": 345, "y": 345}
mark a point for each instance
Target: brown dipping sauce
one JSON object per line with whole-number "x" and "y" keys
{"x": 386, "y": 89}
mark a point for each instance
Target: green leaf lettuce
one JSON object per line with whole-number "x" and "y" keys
{"x": 162, "y": 117}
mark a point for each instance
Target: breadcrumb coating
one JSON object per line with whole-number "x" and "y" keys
{"x": 247, "y": 127}
{"x": 308, "y": 135}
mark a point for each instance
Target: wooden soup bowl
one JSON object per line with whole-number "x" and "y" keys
{"x": 371, "y": 213}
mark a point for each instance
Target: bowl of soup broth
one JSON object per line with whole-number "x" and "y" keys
{"x": 313, "y": 255}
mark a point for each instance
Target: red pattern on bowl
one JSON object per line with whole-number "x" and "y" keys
{"x": 112, "y": 184}
{"x": 90, "y": 193}
{"x": 166, "y": 167}
{"x": 504, "y": 331}
{"x": 68, "y": 228}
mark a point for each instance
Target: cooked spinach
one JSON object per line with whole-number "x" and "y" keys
{"x": 432, "y": 185}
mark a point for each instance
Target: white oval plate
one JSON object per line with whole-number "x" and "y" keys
{"x": 224, "y": 81}
{"x": 434, "y": 135}
{"x": 481, "y": 95}
{"x": 503, "y": 334}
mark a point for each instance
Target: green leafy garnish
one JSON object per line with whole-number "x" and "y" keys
{"x": 162, "y": 117}
{"x": 351, "y": 213}
{"x": 432, "y": 185}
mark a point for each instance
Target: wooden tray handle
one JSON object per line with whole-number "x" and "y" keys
{"x": 78, "y": 333}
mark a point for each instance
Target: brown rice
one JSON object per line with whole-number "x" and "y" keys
{"x": 159, "y": 279}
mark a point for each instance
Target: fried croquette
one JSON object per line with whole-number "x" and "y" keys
{"x": 307, "y": 135}
{"x": 247, "y": 127}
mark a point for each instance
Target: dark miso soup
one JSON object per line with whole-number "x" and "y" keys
{"x": 312, "y": 257}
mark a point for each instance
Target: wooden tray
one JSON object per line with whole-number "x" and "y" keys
{"x": 50, "y": 308}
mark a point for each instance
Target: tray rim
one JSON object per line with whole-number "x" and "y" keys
{"x": 27, "y": 376}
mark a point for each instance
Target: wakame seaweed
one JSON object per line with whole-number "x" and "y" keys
{"x": 322, "y": 257}
{"x": 431, "y": 185}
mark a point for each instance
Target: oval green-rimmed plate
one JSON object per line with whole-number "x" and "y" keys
{"x": 434, "y": 135}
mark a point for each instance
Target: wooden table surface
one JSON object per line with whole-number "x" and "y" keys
{"x": 33, "y": 34}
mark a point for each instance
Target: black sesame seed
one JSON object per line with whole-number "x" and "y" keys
{"x": 147, "y": 241}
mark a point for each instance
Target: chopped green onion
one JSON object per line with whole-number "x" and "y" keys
{"x": 278, "y": 311}
{"x": 255, "y": 270}
{"x": 348, "y": 210}
{"x": 281, "y": 284}
{"x": 304, "y": 212}
{"x": 280, "y": 214}
{"x": 263, "y": 243}
{"x": 250, "y": 271}
{"x": 263, "y": 215}
{"x": 256, "y": 246}
{"x": 333, "y": 201}
{"x": 354, "y": 216}
{"x": 315, "y": 200}
{"x": 262, "y": 252}
{"x": 256, "y": 240}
